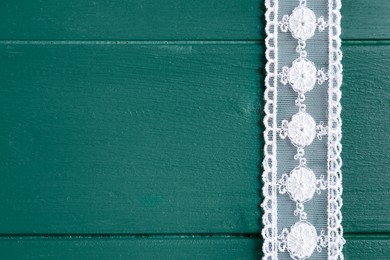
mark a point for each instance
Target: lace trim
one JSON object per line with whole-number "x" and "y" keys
{"x": 270, "y": 231}
{"x": 335, "y": 230}
{"x": 301, "y": 184}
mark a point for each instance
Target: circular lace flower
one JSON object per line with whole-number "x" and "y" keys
{"x": 301, "y": 184}
{"x": 301, "y": 129}
{"x": 302, "y": 240}
{"x": 302, "y": 75}
{"x": 302, "y": 23}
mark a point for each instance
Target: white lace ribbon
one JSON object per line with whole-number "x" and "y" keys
{"x": 302, "y": 164}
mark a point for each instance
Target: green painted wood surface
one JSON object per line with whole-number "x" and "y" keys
{"x": 162, "y": 139}
{"x": 366, "y": 145}
{"x": 129, "y": 138}
{"x": 131, "y": 248}
{"x": 221, "y": 248}
{"x": 104, "y": 142}
{"x": 166, "y": 20}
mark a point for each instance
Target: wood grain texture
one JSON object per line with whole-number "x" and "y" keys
{"x": 166, "y": 20}
{"x": 224, "y": 248}
{"x": 366, "y": 146}
{"x": 362, "y": 19}
{"x": 367, "y": 247}
{"x": 131, "y": 248}
{"x": 164, "y": 138}
{"x": 130, "y": 20}
{"x": 129, "y": 138}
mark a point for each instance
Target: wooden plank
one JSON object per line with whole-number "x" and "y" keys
{"x": 132, "y": 248}
{"x": 366, "y": 146}
{"x": 166, "y": 20}
{"x": 164, "y": 138}
{"x": 129, "y": 20}
{"x": 366, "y": 247}
{"x": 364, "y": 19}
{"x": 129, "y": 138}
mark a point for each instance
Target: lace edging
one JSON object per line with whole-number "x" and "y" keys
{"x": 269, "y": 204}
{"x": 335, "y": 240}
{"x": 335, "y": 230}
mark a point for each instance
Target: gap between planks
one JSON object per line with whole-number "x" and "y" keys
{"x": 348, "y": 236}
{"x": 168, "y": 42}
{"x": 126, "y": 236}
{"x": 200, "y": 42}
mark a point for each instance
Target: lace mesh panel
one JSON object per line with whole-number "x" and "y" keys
{"x": 302, "y": 177}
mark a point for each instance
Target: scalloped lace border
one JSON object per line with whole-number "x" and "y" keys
{"x": 302, "y": 23}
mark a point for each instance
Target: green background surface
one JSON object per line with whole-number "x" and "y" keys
{"x": 132, "y": 129}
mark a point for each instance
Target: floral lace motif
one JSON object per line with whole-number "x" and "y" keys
{"x": 301, "y": 129}
{"x": 302, "y": 76}
{"x": 302, "y": 23}
{"x": 301, "y": 240}
{"x": 301, "y": 185}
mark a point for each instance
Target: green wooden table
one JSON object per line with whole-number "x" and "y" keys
{"x": 132, "y": 129}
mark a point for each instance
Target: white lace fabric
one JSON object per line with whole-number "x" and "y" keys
{"x": 302, "y": 164}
